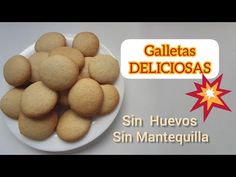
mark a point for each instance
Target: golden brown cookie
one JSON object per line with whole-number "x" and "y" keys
{"x": 17, "y": 70}
{"x": 84, "y": 73}
{"x": 73, "y": 54}
{"x": 10, "y": 102}
{"x": 104, "y": 69}
{"x": 49, "y": 41}
{"x": 63, "y": 98}
{"x": 111, "y": 99}
{"x": 35, "y": 60}
{"x": 87, "y": 43}
{"x": 58, "y": 72}
{"x": 86, "y": 97}
{"x": 37, "y": 100}
{"x": 38, "y": 129}
{"x": 72, "y": 127}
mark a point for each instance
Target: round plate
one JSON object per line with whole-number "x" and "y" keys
{"x": 54, "y": 143}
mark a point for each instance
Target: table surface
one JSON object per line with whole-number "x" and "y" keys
{"x": 142, "y": 97}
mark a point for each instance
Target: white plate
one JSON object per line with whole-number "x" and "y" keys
{"x": 54, "y": 143}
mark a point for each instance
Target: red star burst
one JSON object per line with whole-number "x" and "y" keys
{"x": 209, "y": 96}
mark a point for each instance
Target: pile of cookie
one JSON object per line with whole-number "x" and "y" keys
{"x": 77, "y": 78}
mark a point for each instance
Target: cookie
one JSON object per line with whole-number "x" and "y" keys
{"x": 84, "y": 73}
{"x": 17, "y": 70}
{"x": 37, "y": 100}
{"x": 38, "y": 129}
{"x": 86, "y": 97}
{"x": 73, "y": 54}
{"x": 49, "y": 41}
{"x": 104, "y": 69}
{"x": 111, "y": 99}
{"x": 87, "y": 43}
{"x": 58, "y": 72}
{"x": 35, "y": 61}
{"x": 72, "y": 127}
{"x": 10, "y": 102}
{"x": 63, "y": 98}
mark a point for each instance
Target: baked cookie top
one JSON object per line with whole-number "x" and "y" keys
{"x": 38, "y": 100}
{"x": 10, "y": 102}
{"x": 86, "y": 97}
{"x": 49, "y": 41}
{"x": 104, "y": 69}
{"x": 111, "y": 99}
{"x": 87, "y": 43}
{"x": 35, "y": 61}
{"x": 75, "y": 55}
{"x": 17, "y": 70}
{"x": 38, "y": 129}
{"x": 72, "y": 127}
{"x": 58, "y": 72}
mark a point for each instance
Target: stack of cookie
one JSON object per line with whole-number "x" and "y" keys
{"x": 76, "y": 78}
